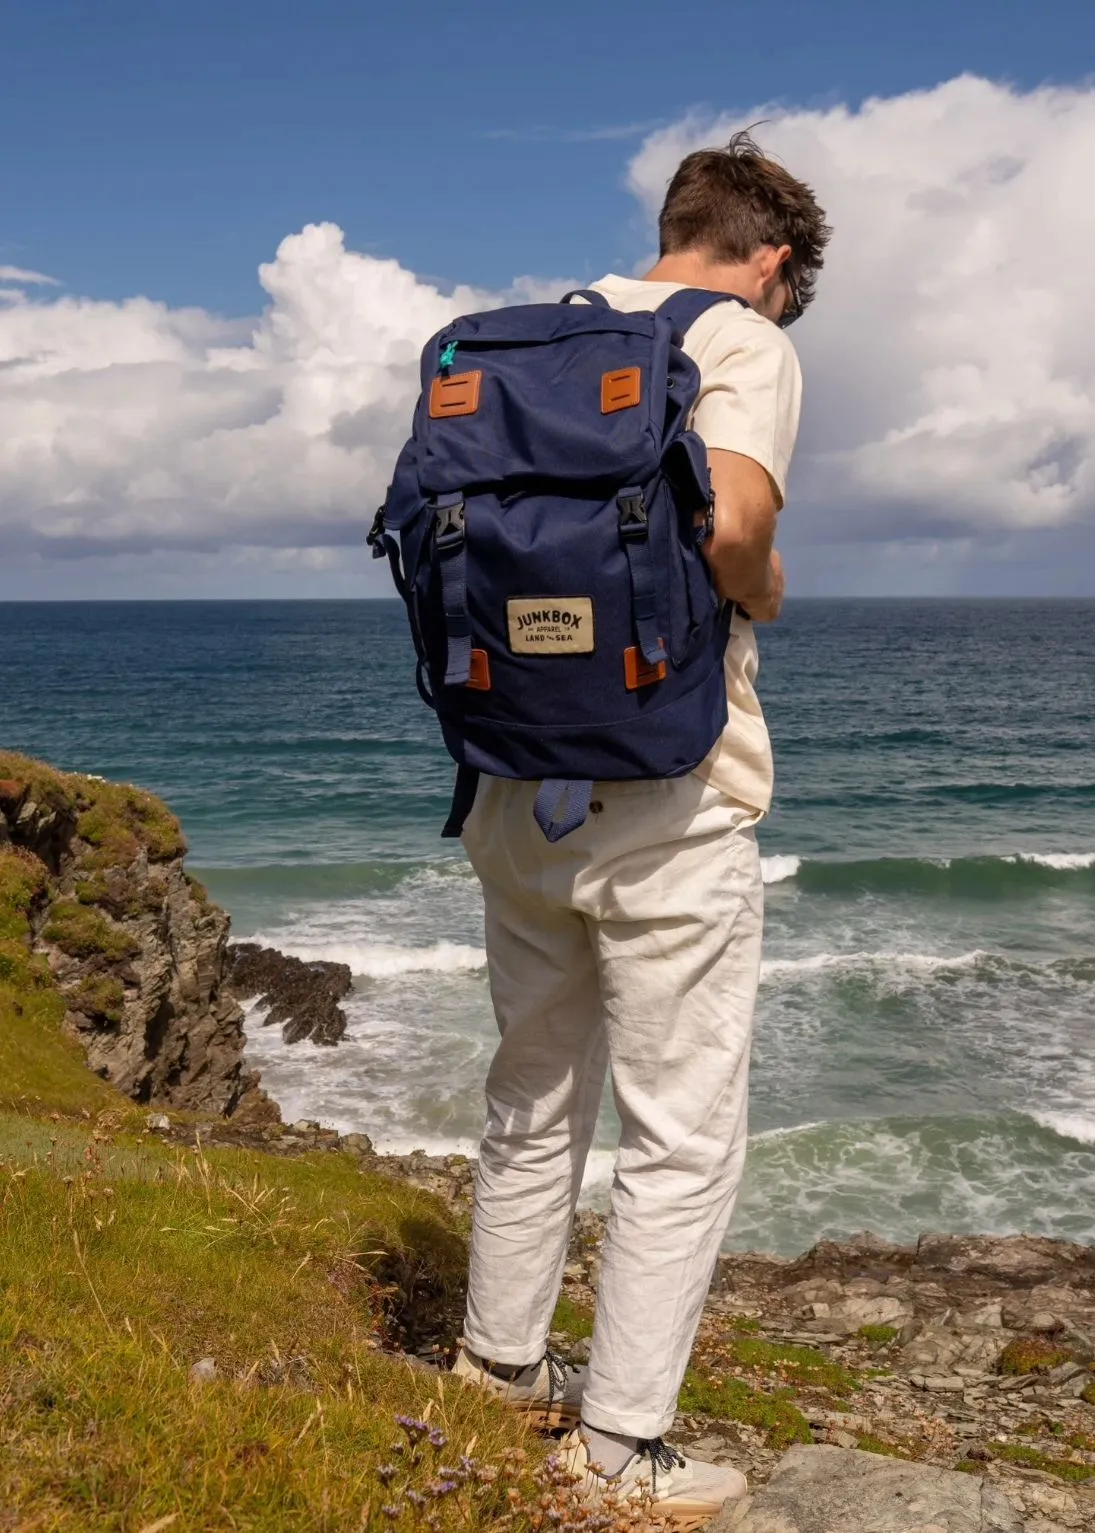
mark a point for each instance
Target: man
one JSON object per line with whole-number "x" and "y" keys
{"x": 635, "y": 942}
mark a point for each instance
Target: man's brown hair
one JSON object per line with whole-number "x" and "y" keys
{"x": 732, "y": 200}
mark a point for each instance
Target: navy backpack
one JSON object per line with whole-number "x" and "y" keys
{"x": 542, "y": 530}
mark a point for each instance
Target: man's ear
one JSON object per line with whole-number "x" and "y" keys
{"x": 771, "y": 258}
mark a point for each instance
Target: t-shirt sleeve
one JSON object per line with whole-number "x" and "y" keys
{"x": 750, "y": 390}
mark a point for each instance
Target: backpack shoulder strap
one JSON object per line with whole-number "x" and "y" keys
{"x": 683, "y": 309}
{"x": 598, "y": 300}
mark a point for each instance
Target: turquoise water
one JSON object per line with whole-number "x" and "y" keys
{"x": 925, "y": 1053}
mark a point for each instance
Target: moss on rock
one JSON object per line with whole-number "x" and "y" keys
{"x": 98, "y": 995}
{"x": 1032, "y": 1354}
{"x": 117, "y": 820}
{"x": 82, "y": 931}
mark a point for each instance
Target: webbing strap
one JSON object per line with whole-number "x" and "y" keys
{"x": 463, "y": 797}
{"x": 552, "y": 792}
{"x": 635, "y": 536}
{"x": 381, "y": 542}
{"x": 450, "y": 543}
{"x": 391, "y": 547}
{"x": 683, "y": 309}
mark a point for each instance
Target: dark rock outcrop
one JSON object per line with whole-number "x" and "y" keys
{"x": 303, "y": 997}
{"x": 135, "y": 947}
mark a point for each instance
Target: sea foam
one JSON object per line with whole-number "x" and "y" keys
{"x": 776, "y": 869}
{"x": 381, "y": 960}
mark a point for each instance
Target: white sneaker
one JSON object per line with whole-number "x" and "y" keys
{"x": 686, "y": 1490}
{"x": 550, "y": 1394}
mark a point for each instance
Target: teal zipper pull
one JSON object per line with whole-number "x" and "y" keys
{"x": 448, "y": 356}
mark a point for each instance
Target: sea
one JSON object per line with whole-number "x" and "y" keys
{"x": 925, "y": 1035}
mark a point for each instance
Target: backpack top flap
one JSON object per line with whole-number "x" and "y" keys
{"x": 543, "y": 392}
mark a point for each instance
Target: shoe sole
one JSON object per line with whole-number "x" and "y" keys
{"x": 546, "y": 1417}
{"x": 687, "y": 1517}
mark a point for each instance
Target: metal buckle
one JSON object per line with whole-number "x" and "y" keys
{"x": 448, "y": 529}
{"x": 633, "y": 516}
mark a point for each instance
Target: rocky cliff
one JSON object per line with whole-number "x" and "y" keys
{"x": 133, "y": 945}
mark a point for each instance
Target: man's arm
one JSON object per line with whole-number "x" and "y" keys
{"x": 745, "y": 566}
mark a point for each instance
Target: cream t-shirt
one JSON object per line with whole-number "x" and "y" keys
{"x": 750, "y": 392}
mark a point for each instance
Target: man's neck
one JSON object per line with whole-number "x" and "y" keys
{"x": 695, "y": 269}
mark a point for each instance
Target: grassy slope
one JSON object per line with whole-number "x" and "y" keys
{"x": 39, "y": 1067}
{"x": 122, "y": 1262}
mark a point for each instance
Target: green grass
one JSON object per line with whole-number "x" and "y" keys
{"x": 574, "y": 1320}
{"x": 877, "y": 1336}
{"x": 776, "y": 1415}
{"x": 99, "y": 995}
{"x": 1018, "y": 1453}
{"x": 789, "y": 1364}
{"x": 117, "y": 820}
{"x": 871, "y": 1444}
{"x": 123, "y": 1262}
{"x": 39, "y": 1065}
{"x": 83, "y": 931}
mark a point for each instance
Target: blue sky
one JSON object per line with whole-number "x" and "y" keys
{"x": 232, "y": 436}
{"x": 162, "y": 147}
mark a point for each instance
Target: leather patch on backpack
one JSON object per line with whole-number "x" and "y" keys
{"x": 479, "y": 671}
{"x": 457, "y": 394}
{"x": 550, "y": 625}
{"x": 637, "y": 673}
{"x": 621, "y": 390}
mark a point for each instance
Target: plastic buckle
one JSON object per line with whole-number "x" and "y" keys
{"x": 633, "y": 517}
{"x": 375, "y": 539}
{"x": 448, "y": 530}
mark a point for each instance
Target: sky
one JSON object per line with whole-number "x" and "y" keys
{"x": 227, "y": 229}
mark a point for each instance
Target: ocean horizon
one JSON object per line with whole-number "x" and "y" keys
{"x": 925, "y": 1042}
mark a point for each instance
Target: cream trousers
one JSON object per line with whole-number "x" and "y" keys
{"x": 631, "y": 944}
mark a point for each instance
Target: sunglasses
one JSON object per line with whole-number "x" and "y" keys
{"x": 793, "y": 309}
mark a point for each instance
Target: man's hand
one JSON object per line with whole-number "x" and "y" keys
{"x": 739, "y": 551}
{"x": 764, "y": 606}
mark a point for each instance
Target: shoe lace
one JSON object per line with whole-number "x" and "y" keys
{"x": 558, "y": 1370}
{"x": 662, "y": 1455}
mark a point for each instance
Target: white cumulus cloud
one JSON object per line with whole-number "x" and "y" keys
{"x": 950, "y": 374}
{"x": 134, "y": 425}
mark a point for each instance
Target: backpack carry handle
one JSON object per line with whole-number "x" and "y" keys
{"x": 598, "y": 300}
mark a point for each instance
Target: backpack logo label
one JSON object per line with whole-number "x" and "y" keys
{"x": 550, "y": 625}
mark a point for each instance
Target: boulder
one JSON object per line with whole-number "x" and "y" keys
{"x": 939, "y": 1350}
{"x": 838, "y": 1490}
{"x": 852, "y": 1314}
